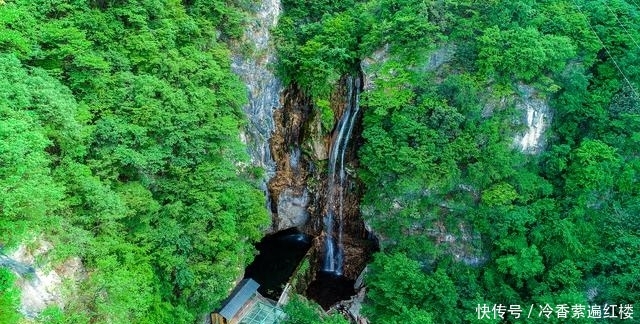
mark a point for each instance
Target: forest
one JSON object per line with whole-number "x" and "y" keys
{"x": 119, "y": 144}
{"x": 559, "y": 227}
{"x": 120, "y": 125}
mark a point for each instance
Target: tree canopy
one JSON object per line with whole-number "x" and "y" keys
{"x": 120, "y": 143}
{"x": 453, "y": 200}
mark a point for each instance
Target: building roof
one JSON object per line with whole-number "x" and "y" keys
{"x": 238, "y": 297}
{"x": 263, "y": 312}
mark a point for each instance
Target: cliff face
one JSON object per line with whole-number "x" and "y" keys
{"x": 299, "y": 190}
{"x": 341, "y": 189}
{"x": 42, "y": 284}
{"x": 252, "y": 60}
{"x": 284, "y": 134}
{"x": 288, "y": 191}
{"x": 275, "y": 119}
{"x": 536, "y": 117}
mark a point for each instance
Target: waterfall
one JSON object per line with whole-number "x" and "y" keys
{"x": 334, "y": 252}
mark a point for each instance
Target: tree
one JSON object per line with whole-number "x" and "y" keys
{"x": 523, "y": 53}
{"x": 9, "y": 298}
{"x": 301, "y": 311}
{"x": 29, "y": 193}
{"x": 395, "y": 285}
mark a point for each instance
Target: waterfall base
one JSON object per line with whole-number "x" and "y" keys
{"x": 279, "y": 256}
{"x": 328, "y": 289}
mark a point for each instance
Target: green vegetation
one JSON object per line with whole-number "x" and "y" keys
{"x": 301, "y": 311}
{"x": 9, "y": 298}
{"x": 442, "y": 175}
{"x": 119, "y": 143}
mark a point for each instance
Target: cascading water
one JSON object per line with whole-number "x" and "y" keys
{"x": 281, "y": 123}
{"x": 333, "y": 247}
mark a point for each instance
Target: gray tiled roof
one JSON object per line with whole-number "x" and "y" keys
{"x": 238, "y": 297}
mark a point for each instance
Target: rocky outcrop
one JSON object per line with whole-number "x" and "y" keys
{"x": 435, "y": 62}
{"x": 441, "y": 55}
{"x": 288, "y": 191}
{"x": 369, "y": 65}
{"x": 292, "y": 209}
{"x": 252, "y": 61}
{"x": 42, "y": 286}
{"x": 536, "y": 118}
{"x": 464, "y": 245}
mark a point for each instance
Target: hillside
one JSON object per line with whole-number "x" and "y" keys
{"x": 489, "y": 148}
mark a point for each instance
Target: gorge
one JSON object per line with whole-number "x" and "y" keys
{"x": 307, "y": 178}
{"x": 389, "y": 161}
{"x": 330, "y": 212}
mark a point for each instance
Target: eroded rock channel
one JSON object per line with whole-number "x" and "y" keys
{"x": 309, "y": 161}
{"x": 315, "y": 192}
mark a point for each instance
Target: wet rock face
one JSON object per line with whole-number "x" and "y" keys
{"x": 252, "y": 61}
{"x": 292, "y": 209}
{"x": 356, "y": 245}
{"x": 537, "y": 118}
{"x": 298, "y": 192}
{"x": 285, "y": 136}
{"x": 41, "y": 287}
{"x": 287, "y": 189}
{"x": 316, "y": 142}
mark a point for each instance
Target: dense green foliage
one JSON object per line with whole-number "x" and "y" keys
{"x": 9, "y": 298}
{"x": 119, "y": 143}
{"x": 301, "y": 311}
{"x": 465, "y": 218}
